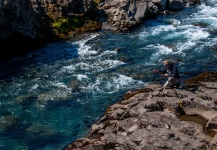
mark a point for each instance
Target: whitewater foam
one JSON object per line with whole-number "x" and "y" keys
{"x": 111, "y": 84}
{"x": 85, "y": 50}
{"x": 161, "y": 29}
{"x": 81, "y": 77}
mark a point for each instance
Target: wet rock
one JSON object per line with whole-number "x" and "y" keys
{"x": 200, "y": 24}
{"x": 214, "y": 47}
{"x": 117, "y": 50}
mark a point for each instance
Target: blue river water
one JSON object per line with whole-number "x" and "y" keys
{"x": 53, "y": 95}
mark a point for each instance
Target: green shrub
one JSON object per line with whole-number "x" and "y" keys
{"x": 97, "y": 1}
{"x": 63, "y": 26}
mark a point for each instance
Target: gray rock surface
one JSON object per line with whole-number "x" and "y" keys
{"x": 125, "y": 14}
{"x": 151, "y": 119}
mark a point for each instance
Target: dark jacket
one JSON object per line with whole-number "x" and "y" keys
{"x": 172, "y": 71}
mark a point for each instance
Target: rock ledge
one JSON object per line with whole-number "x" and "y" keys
{"x": 149, "y": 119}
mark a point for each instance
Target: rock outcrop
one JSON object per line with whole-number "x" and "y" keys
{"x": 155, "y": 118}
{"x": 25, "y": 24}
{"x": 125, "y": 14}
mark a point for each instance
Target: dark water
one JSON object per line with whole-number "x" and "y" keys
{"x": 52, "y": 96}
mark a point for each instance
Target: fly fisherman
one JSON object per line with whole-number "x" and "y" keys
{"x": 172, "y": 73}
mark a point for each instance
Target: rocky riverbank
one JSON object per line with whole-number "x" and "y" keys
{"x": 29, "y": 24}
{"x": 155, "y": 118}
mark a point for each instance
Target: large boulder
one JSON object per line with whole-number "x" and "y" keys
{"x": 124, "y": 14}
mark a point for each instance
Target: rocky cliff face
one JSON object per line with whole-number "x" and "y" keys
{"x": 17, "y": 19}
{"x": 28, "y": 22}
{"x": 18, "y": 16}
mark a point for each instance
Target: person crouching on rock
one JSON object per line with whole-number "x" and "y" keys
{"x": 170, "y": 71}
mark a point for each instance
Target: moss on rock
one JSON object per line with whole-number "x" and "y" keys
{"x": 90, "y": 26}
{"x": 97, "y": 1}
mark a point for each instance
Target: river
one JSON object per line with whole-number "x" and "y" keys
{"x": 53, "y": 95}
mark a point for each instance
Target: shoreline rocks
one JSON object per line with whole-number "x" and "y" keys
{"x": 125, "y": 15}
{"x": 148, "y": 118}
{"x": 38, "y": 22}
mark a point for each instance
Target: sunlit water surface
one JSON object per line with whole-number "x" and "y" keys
{"x": 52, "y": 96}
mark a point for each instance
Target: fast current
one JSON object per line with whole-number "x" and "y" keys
{"x": 53, "y": 95}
